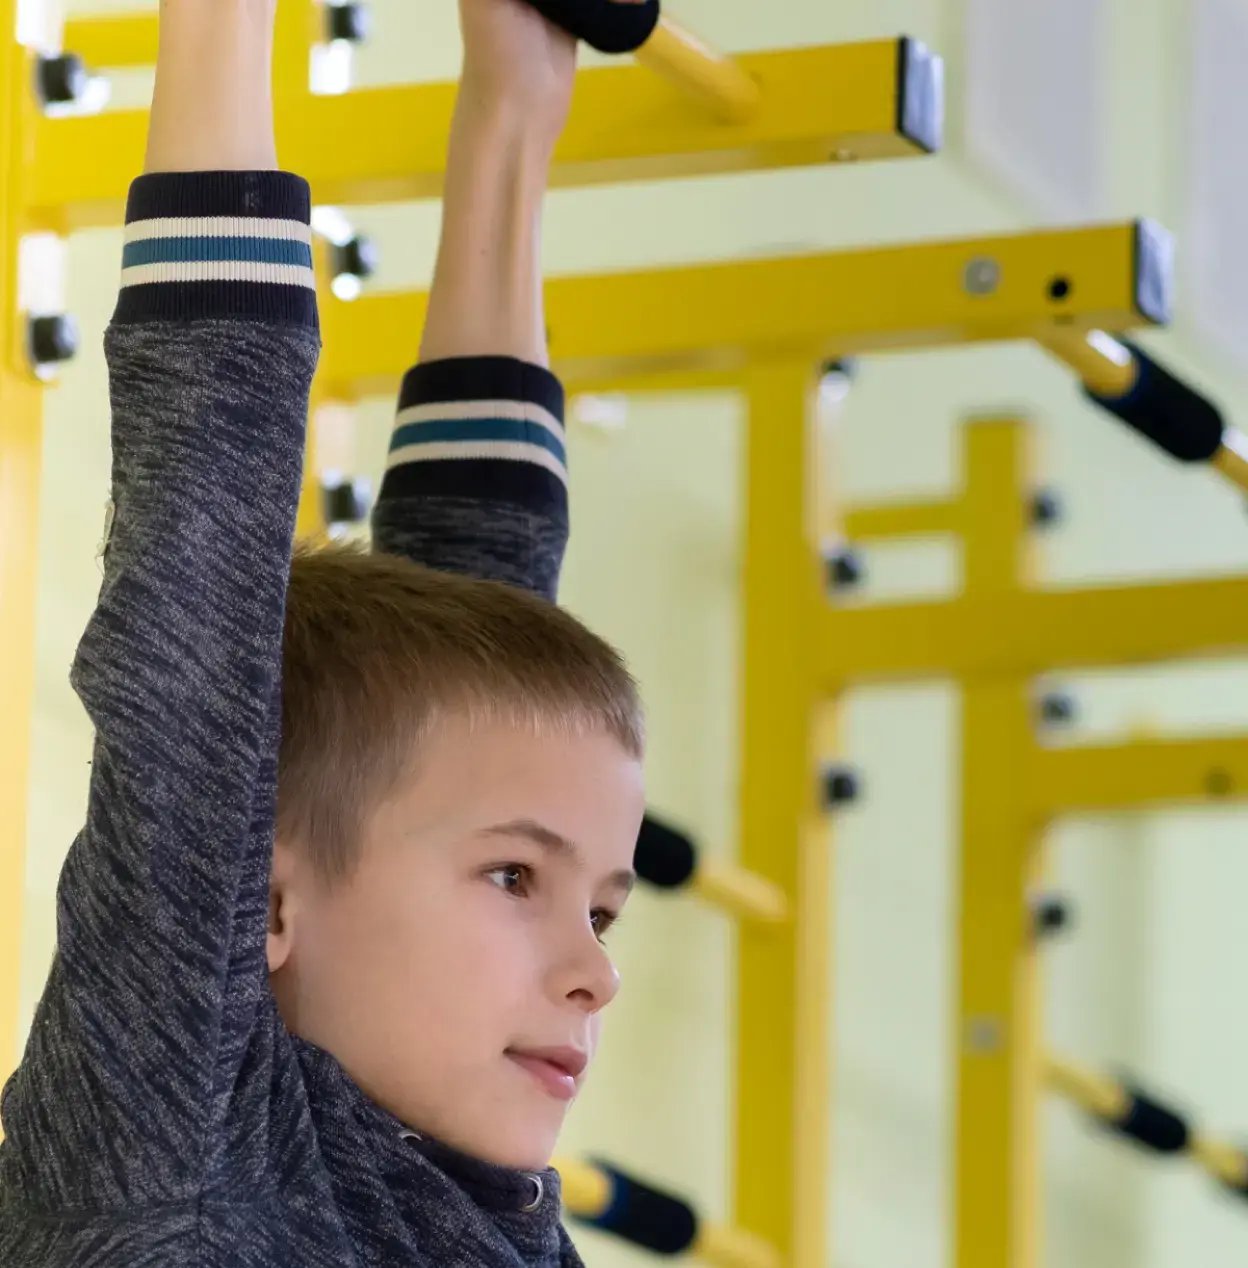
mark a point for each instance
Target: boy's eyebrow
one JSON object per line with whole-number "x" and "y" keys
{"x": 553, "y": 842}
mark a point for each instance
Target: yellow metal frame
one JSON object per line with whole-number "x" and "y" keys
{"x": 993, "y": 639}
{"x": 817, "y": 105}
{"x": 625, "y": 330}
{"x": 21, "y": 423}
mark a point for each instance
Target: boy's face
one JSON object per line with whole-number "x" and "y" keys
{"x": 468, "y": 941}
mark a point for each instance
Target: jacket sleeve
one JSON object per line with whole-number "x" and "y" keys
{"x": 476, "y": 480}
{"x": 161, "y": 906}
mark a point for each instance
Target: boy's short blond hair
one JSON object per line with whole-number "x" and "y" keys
{"x": 377, "y": 648}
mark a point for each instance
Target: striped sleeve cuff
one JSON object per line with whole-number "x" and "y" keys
{"x": 481, "y": 427}
{"x": 218, "y": 244}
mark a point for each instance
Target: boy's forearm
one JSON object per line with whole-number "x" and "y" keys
{"x": 486, "y": 298}
{"x": 212, "y": 109}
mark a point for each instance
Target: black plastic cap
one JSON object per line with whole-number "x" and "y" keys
{"x": 921, "y": 96}
{"x": 1174, "y": 416}
{"x": 846, "y": 367}
{"x": 841, "y": 786}
{"x": 359, "y": 258}
{"x": 844, "y": 570}
{"x": 1046, "y": 508}
{"x": 665, "y": 856}
{"x": 53, "y": 340}
{"x": 644, "y": 1216}
{"x": 350, "y": 22}
{"x": 1151, "y": 1124}
{"x": 346, "y": 502}
{"x": 608, "y": 27}
{"x": 62, "y": 79}
{"x": 1154, "y": 272}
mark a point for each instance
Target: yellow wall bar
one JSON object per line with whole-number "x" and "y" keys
{"x": 908, "y": 519}
{"x": 627, "y": 124}
{"x": 782, "y": 1077}
{"x": 114, "y": 41}
{"x": 996, "y": 1029}
{"x": 1100, "y": 361}
{"x": 21, "y": 418}
{"x": 716, "y": 80}
{"x": 1035, "y": 631}
{"x": 1105, "y": 1098}
{"x": 1136, "y": 776}
{"x": 714, "y": 319}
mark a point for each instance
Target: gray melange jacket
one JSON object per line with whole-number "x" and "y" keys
{"x": 162, "y": 1115}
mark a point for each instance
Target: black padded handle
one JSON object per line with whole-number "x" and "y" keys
{"x": 646, "y": 1216}
{"x": 1167, "y": 411}
{"x": 665, "y": 856}
{"x": 608, "y": 27}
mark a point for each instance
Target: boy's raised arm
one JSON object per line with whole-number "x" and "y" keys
{"x": 160, "y": 966}
{"x": 476, "y": 480}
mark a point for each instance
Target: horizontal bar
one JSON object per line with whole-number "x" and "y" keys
{"x": 718, "y": 81}
{"x": 114, "y": 41}
{"x": 1110, "y": 1102}
{"x": 818, "y": 104}
{"x": 1032, "y": 632}
{"x": 709, "y": 321}
{"x": 1137, "y": 775}
{"x": 740, "y": 893}
{"x": 906, "y": 519}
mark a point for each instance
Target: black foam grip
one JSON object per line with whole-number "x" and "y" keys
{"x": 1176, "y": 417}
{"x": 646, "y": 1217}
{"x": 608, "y": 27}
{"x": 665, "y": 857}
{"x": 1154, "y": 1126}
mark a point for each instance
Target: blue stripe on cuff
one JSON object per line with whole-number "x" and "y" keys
{"x": 207, "y": 248}
{"x": 478, "y": 429}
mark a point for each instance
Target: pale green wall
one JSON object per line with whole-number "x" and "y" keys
{"x": 1149, "y": 979}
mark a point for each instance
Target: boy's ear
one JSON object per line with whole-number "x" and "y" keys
{"x": 280, "y": 939}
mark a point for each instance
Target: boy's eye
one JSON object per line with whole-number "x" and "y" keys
{"x": 602, "y": 921}
{"x": 516, "y": 877}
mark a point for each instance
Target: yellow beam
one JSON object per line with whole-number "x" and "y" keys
{"x": 718, "y": 81}
{"x": 21, "y": 401}
{"x": 114, "y": 41}
{"x": 1136, "y": 776}
{"x": 709, "y": 321}
{"x": 818, "y": 104}
{"x": 1034, "y": 631}
{"x": 905, "y": 519}
{"x": 784, "y": 981}
{"x": 997, "y": 1021}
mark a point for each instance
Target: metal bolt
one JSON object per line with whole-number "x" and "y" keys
{"x": 1046, "y": 508}
{"x": 982, "y": 276}
{"x": 984, "y": 1035}
{"x": 1051, "y": 914}
{"x": 357, "y": 258}
{"x": 841, "y": 786}
{"x": 1058, "y": 708}
{"x": 844, "y": 570}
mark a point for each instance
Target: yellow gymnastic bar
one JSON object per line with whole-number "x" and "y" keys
{"x": 719, "y": 81}
{"x": 1108, "y": 1101}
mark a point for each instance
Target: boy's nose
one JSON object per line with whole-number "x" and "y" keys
{"x": 589, "y": 978}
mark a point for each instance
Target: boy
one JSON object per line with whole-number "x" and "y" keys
{"x": 329, "y": 965}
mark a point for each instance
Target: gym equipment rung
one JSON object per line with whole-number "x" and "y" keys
{"x": 609, "y": 1199}
{"x": 1147, "y": 1122}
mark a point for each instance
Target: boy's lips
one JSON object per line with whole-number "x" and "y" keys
{"x": 556, "y": 1069}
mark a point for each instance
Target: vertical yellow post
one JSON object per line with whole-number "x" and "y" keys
{"x": 996, "y": 1026}
{"x": 21, "y": 399}
{"x": 783, "y": 1083}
